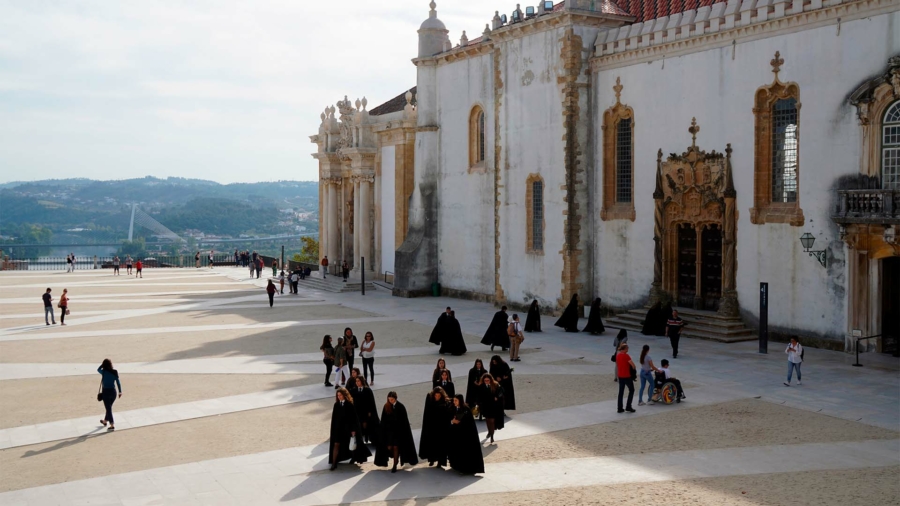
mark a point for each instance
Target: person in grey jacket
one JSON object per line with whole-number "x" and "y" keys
{"x": 341, "y": 365}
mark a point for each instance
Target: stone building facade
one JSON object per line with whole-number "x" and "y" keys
{"x": 639, "y": 150}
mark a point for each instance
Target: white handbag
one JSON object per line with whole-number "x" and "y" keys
{"x": 352, "y": 445}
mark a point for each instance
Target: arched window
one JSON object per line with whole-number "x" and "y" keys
{"x": 784, "y": 151}
{"x": 534, "y": 200}
{"x": 890, "y": 148}
{"x": 476, "y": 138}
{"x": 618, "y": 160}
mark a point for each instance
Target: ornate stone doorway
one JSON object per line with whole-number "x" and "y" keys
{"x": 694, "y": 230}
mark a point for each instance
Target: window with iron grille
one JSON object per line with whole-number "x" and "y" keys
{"x": 537, "y": 215}
{"x": 480, "y": 155}
{"x": 890, "y": 148}
{"x": 623, "y": 160}
{"x": 785, "y": 146}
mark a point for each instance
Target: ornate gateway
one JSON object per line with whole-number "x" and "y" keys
{"x": 694, "y": 229}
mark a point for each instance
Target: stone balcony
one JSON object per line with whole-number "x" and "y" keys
{"x": 872, "y": 207}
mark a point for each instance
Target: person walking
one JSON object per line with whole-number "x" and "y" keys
{"x": 324, "y": 264}
{"x": 48, "y": 307}
{"x": 350, "y": 344}
{"x": 210, "y": 259}
{"x": 435, "y": 427}
{"x": 259, "y": 267}
{"x": 281, "y": 282}
{"x": 496, "y": 335}
{"x": 673, "y": 331}
{"x": 341, "y": 369}
{"x": 446, "y": 383}
{"x": 63, "y": 306}
{"x": 346, "y": 441}
{"x": 139, "y": 269}
{"x": 464, "y": 448}
{"x": 252, "y": 265}
{"x": 452, "y": 340}
{"x": 69, "y": 263}
{"x": 237, "y": 258}
{"x": 515, "y": 338}
{"x": 345, "y": 270}
{"x": 270, "y": 290}
{"x": 533, "y": 320}
{"x": 490, "y": 403}
{"x": 327, "y": 357}
{"x": 502, "y": 374}
{"x": 366, "y": 409}
{"x": 795, "y": 357}
{"x": 647, "y": 370}
{"x": 197, "y": 259}
{"x": 128, "y": 264}
{"x": 474, "y": 381}
{"x": 73, "y": 262}
{"x": 568, "y": 321}
{"x": 621, "y": 338}
{"x": 627, "y": 373}
{"x": 367, "y": 352}
{"x": 109, "y": 380}
{"x": 440, "y": 367}
{"x": 295, "y": 280}
{"x": 396, "y": 439}
{"x": 116, "y": 265}
{"x": 595, "y": 322}
{"x": 275, "y": 270}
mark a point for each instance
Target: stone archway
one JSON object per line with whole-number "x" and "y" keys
{"x": 694, "y": 229}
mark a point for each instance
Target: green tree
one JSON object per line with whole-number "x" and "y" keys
{"x": 136, "y": 248}
{"x": 309, "y": 251}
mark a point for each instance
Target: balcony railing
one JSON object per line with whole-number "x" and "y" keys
{"x": 868, "y": 206}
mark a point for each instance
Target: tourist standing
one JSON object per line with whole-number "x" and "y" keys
{"x": 295, "y": 280}
{"x": 281, "y": 282}
{"x": 464, "y": 448}
{"x": 502, "y": 373}
{"x": 496, "y": 332}
{"x": 237, "y": 258}
{"x": 435, "y": 426}
{"x": 367, "y": 352}
{"x": 69, "y": 262}
{"x": 621, "y": 338}
{"x": 350, "y": 344}
{"x": 647, "y": 370}
{"x": 63, "y": 306}
{"x": 210, "y": 259}
{"x": 673, "y": 331}
{"x": 569, "y": 319}
{"x": 437, "y": 333}
{"x": 324, "y": 264}
{"x": 73, "y": 262}
{"x": 795, "y": 358}
{"x": 129, "y": 263}
{"x": 595, "y": 322}
{"x": 327, "y": 357}
{"x": 341, "y": 370}
{"x": 515, "y": 338}
{"x": 452, "y": 341}
{"x": 139, "y": 269}
{"x": 345, "y": 270}
{"x": 533, "y": 319}
{"x": 474, "y": 381}
{"x": 396, "y": 438}
{"x": 275, "y": 268}
{"x": 197, "y": 259}
{"x": 490, "y": 404}
{"x": 48, "y": 307}
{"x": 346, "y": 438}
{"x": 364, "y": 402}
{"x": 116, "y": 265}
{"x": 627, "y": 372}
{"x": 109, "y": 380}
{"x": 270, "y": 290}
{"x": 252, "y": 265}
{"x": 259, "y": 266}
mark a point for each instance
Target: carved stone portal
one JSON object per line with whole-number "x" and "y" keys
{"x": 694, "y": 229}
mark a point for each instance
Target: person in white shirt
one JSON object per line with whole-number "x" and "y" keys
{"x": 795, "y": 357}
{"x": 669, "y": 377}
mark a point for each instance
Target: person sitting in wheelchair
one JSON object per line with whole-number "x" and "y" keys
{"x": 666, "y": 376}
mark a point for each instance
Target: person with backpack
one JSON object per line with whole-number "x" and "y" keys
{"x": 795, "y": 357}
{"x": 324, "y": 264}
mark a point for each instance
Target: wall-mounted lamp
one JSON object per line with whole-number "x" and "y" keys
{"x": 807, "y": 240}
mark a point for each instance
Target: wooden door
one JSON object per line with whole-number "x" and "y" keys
{"x": 711, "y": 267}
{"x": 687, "y": 265}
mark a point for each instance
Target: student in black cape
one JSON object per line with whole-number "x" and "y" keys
{"x": 502, "y": 373}
{"x": 496, "y": 333}
{"x": 440, "y": 328}
{"x": 439, "y": 368}
{"x": 344, "y": 426}
{"x": 651, "y": 325}
{"x": 490, "y": 403}
{"x": 595, "y": 323}
{"x": 533, "y": 320}
{"x": 453, "y": 342}
{"x": 663, "y": 319}
{"x": 446, "y": 384}
{"x": 464, "y": 447}
{"x": 366, "y": 409}
{"x": 475, "y": 374}
{"x": 396, "y": 440}
{"x": 569, "y": 318}
{"x": 435, "y": 427}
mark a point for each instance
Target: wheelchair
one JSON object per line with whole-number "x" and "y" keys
{"x": 665, "y": 392}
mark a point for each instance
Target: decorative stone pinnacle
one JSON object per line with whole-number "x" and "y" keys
{"x": 409, "y": 97}
{"x": 694, "y": 129}
{"x": 618, "y": 89}
{"x": 365, "y": 102}
{"x": 464, "y": 40}
{"x": 358, "y": 104}
{"x": 433, "y": 12}
{"x": 776, "y": 63}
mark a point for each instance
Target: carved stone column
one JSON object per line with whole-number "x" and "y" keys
{"x": 698, "y": 268}
{"x": 357, "y": 213}
{"x": 728, "y": 304}
{"x": 656, "y": 291}
{"x": 333, "y": 217}
{"x": 365, "y": 222}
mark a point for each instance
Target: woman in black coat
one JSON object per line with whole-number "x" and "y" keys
{"x": 595, "y": 323}
{"x": 344, "y": 426}
{"x": 366, "y": 410}
{"x": 650, "y": 327}
{"x": 533, "y": 320}
{"x": 435, "y": 428}
{"x": 438, "y": 369}
{"x": 396, "y": 438}
{"x": 446, "y": 384}
{"x": 490, "y": 402}
{"x": 464, "y": 447}
{"x": 569, "y": 318}
{"x": 475, "y": 374}
{"x": 501, "y": 372}
{"x": 453, "y": 342}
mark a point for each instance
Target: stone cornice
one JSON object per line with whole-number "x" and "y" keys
{"x": 832, "y": 14}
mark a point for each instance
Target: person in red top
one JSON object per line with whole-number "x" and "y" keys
{"x": 624, "y": 368}
{"x": 138, "y": 266}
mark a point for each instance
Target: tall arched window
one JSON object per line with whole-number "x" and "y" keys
{"x": 618, "y": 160}
{"x": 476, "y": 138}
{"x": 890, "y": 148}
{"x": 784, "y": 151}
{"x": 534, "y": 200}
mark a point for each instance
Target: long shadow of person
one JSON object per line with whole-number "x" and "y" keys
{"x": 413, "y": 483}
{"x": 65, "y": 444}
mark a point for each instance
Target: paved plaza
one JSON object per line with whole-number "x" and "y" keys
{"x": 224, "y": 404}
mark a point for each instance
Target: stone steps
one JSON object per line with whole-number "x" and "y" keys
{"x": 334, "y": 284}
{"x": 698, "y": 324}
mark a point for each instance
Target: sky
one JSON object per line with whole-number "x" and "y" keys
{"x": 224, "y": 90}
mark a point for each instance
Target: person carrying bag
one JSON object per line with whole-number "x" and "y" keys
{"x": 516, "y": 337}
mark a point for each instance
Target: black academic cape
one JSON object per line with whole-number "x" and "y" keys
{"x": 367, "y": 412}
{"x": 471, "y": 388}
{"x": 435, "y": 426}
{"x": 496, "y": 333}
{"x": 533, "y": 320}
{"x": 491, "y": 405}
{"x": 395, "y": 431}
{"x": 503, "y": 374}
{"x": 569, "y": 318}
{"x": 436, "y": 376}
{"x": 453, "y": 342}
{"x": 440, "y": 328}
{"x": 663, "y": 319}
{"x": 595, "y": 324}
{"x": 448, "y": 387}
{"x": 464, "y": 447}
{"x": 651, "y": 325}
{"x": 343, "y": 422}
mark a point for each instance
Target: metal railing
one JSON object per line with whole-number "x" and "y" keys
{"x": 106, "y": 262}
{"x": 868, "y": 206}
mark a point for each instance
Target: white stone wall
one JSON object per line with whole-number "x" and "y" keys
{"x": 388, "y": 208}
{"x": 717, "y": 87}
